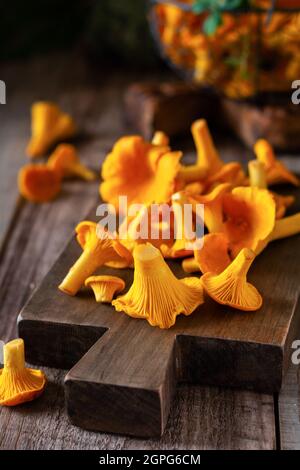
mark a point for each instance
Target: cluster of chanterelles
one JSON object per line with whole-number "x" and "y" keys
{"x": 241, "y": 216}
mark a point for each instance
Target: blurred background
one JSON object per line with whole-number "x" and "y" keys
{"x": 112, "y": 30}
{"x": 241, "y": 65}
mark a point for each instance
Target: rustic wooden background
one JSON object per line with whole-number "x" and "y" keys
{"x": 32, "y": 237}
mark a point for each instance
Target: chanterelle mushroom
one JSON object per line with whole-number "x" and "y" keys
{"x": 283, "y": 228}
{"x": 98, "y": 249}
{"x": 276, "y": 171}
{"x": 213, "y": 206}
{"x": 258, "y": 179}
{"x": 140, "y": 170}
{"x": 209, "y": 168}
{"x": 249, "y": 216}
{"x": 183, "y": 245}
{"x": 39, "y": 183}
{"x": 105, "y": 287}
{"x": 65, "y": 161}
{"x": 18, "y": 384}
{"x": 156, "y": 294}
{"x": 49, "y": 125}
{"x": 231, "y": 287}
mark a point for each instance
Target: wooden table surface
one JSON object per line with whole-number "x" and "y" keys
{"x": 31, "y": 238}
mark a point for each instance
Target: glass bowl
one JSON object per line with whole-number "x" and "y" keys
{"x": 241, "y": 53}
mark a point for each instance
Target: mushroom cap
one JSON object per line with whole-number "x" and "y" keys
{"x": 143, "y": 172}
{"x": 105, "y": 279}
{"x": 229, "y": 173}
{"x": 249, "y": 216}
{"x": 214, "y": 256}
{"x": 39, "y": 183}
{"x": 88, "y": 231}
{"x": 231, "y": 287}
{"x": 84, "y": 230}
{"x": 282, "y": 204}
{"x": 213, "y": 206}
{"x": 156, "y": 294}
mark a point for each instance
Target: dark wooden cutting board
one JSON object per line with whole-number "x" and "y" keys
{"x": 124, "y": 372}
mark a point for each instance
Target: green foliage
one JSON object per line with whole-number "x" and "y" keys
{"x": 215, "y": 9}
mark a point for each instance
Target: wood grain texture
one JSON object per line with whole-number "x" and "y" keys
{"x": 201, "y": 417}
{"x": 130, "y": 374}
{"x": 289, "y": 411}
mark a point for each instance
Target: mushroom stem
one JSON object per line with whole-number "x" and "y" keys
{"x": 192, "y": 173}
{"x": 84, "y": 267}
{"x": 286, "y": 227}
{"x": 83, "y": 172}
{"x": 14, "y": 356}
{"x": 257, "y": 174}
{"x": 18, "y": 384}
{"x": 190, "y": 265}
{"x": 240, "y": 266}
{"x": 207, "y": 155}
{"x": 160, "y": 138}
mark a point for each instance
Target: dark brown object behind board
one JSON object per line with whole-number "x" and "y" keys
{"x": 173, "y": 106}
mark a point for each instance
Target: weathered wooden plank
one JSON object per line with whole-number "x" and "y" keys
{"x": 245, "y": 420}
{"x": 130, "y": 374}
{"x": 289, "y": 411}
{"x": 201, "y": 418}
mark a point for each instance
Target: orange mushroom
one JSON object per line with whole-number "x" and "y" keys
{"x": 249, "y": 216}
{"x": 151, "y": 224}
{"x": 213, "y": 206}
{"x": 19, "y": 384}
{"x": 283, "y": 228}
{"x": 276, "y": 171}
{"x": 209, "y": 169}
{"x": 231, "y": 288}
{"x": 214, "y": 256}
{"x": 105, "y": 287}
{"x": 183, "y": 233}
{"x": 258, "y": 179}
{"x": 98, "y": 249}
{"x": 49, "y": 125}
{"x": 39, "y": 183}
{"x": 143, "y": 172}
{"x": 65, "y": 161}
{"x": 156, "y": 295}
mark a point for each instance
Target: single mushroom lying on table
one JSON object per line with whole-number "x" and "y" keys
{"x": 231, "y": 288}
{"x": 49, "y": 125}
{"x": 19, "y": 384}
{"x": 156, "y": 295}
{"x": 105, "y": 287}
{"x": 99, "y": 248}
{"x": 39, "y": 183}
{"x": 276, "y": 171}
{"x": 65, "y": 161}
